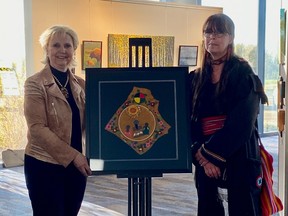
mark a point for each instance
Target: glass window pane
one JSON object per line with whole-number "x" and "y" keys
{"x": 272, "y": 63}
{"x": 12, "y": 75}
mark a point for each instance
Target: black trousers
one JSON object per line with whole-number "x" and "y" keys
{"x": 209, "y": 201}
{"x": 243, "y": 199}
{"x": 53, "y": 189}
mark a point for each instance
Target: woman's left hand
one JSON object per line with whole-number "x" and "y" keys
{"x": 200, "y": 158}
{"x": 212, "y": 170}
{"x": 81, "y": 164}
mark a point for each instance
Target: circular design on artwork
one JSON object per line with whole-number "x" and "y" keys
{"x": 136, "y": 123}
{"x": 133, "y": 111}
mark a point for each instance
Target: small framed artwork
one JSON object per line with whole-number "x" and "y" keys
{"x": 91, "y": 54}
{"x": 187, "y": 55}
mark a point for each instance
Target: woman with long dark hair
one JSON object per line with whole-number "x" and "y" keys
{"x": 225, "y": 104}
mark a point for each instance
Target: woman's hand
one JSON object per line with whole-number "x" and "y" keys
{"x": 200, "y": 158}
{"x": 81, "y": 164}
{"x": 212, "y": 170}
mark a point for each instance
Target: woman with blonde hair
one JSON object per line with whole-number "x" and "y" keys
{"x": 55, "y": 166}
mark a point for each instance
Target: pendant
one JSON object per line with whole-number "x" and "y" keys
{"x": 65, "y": 92}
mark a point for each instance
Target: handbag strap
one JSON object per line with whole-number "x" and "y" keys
{"x": 258, "y": 135}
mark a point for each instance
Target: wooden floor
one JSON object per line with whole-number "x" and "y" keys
{"x": 172, "y": 194}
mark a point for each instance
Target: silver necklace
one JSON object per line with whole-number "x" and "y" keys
{"x": 63, "y": 89}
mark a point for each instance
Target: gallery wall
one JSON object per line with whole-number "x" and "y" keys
{"x": 95, "y": 19}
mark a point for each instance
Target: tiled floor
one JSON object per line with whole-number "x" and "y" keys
{"x": 172, "y": 194}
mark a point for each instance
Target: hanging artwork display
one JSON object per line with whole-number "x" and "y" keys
{"x": 187, "y": 55}
{"x": 118, "y": 50}
{"x": 138, "y": 120}
{"x": 91, "y": 54}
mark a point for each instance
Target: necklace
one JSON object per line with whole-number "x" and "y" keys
{"x": 220, "y": 60}
{"x": 63, "y": 89}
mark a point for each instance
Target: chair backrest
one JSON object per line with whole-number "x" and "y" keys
{"x": 144, "y": 45}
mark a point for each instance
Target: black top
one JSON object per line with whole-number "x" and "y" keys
{"x": 240, "y": 103}
{"x": 76, "y": 137}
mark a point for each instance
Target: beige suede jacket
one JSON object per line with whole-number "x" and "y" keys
{"x": 49, "y": 117}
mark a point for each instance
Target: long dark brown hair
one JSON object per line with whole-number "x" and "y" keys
{"x": 220, "y": 23}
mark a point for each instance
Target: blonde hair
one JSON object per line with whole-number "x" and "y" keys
{"x": 53, "y": 30}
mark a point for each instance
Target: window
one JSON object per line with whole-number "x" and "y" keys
{"x": 12, "y": 75}
{"x": 271, "y": 74}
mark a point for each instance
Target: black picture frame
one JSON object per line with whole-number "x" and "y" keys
{"x": 188, "y": 55}
{"x": 107, "y": 89}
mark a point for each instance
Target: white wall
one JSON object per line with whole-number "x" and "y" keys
{"x": 95, "y": 19}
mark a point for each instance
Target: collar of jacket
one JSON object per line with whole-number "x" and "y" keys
{"x": 52, "y": 87}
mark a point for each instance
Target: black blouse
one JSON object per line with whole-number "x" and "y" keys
{"x": 76, "y": 137}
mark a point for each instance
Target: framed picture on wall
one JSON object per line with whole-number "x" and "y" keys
{"x": 118, "y": 50}
{"x": 91, "y": 54}
{"x": 187, "y": 55}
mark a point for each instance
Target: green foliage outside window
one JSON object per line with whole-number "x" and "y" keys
{"x": 12, "y": 122}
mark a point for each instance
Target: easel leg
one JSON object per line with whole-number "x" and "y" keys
{"x": 148, "y": 184}
{"x": 135, "y": 196}
{"x": 139, "y": 189}
{"x": 129, "y": 196}
{"x": 142, "y": 196}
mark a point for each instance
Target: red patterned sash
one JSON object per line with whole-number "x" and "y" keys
{"x": 213, "y": 123}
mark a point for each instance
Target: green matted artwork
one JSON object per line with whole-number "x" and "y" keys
{"x": 138, "y": 120}
{"x": 118, "y": 50}
{"x": 91, "y": 54}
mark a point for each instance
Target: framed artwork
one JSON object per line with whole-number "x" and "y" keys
{"x": 118, "y": 50}
{"x": 282, "y": 50}
{"x": 187, "y": 55}
{"x": 138, "y": 120}
{"x": 91, "y": 54}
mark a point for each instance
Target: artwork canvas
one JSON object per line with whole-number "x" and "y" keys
{"x": 282, "y": 51}
{"x": 118, "y": 50}
{"x": 138, "y": 120}
{"x": 187, "y": 55}
{"x": 91, "y": 54}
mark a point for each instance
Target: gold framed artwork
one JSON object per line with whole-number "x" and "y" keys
{"x": 118, "y": 50}
{"x": 91, "y": 54}
{"x": 187, "y": 55}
